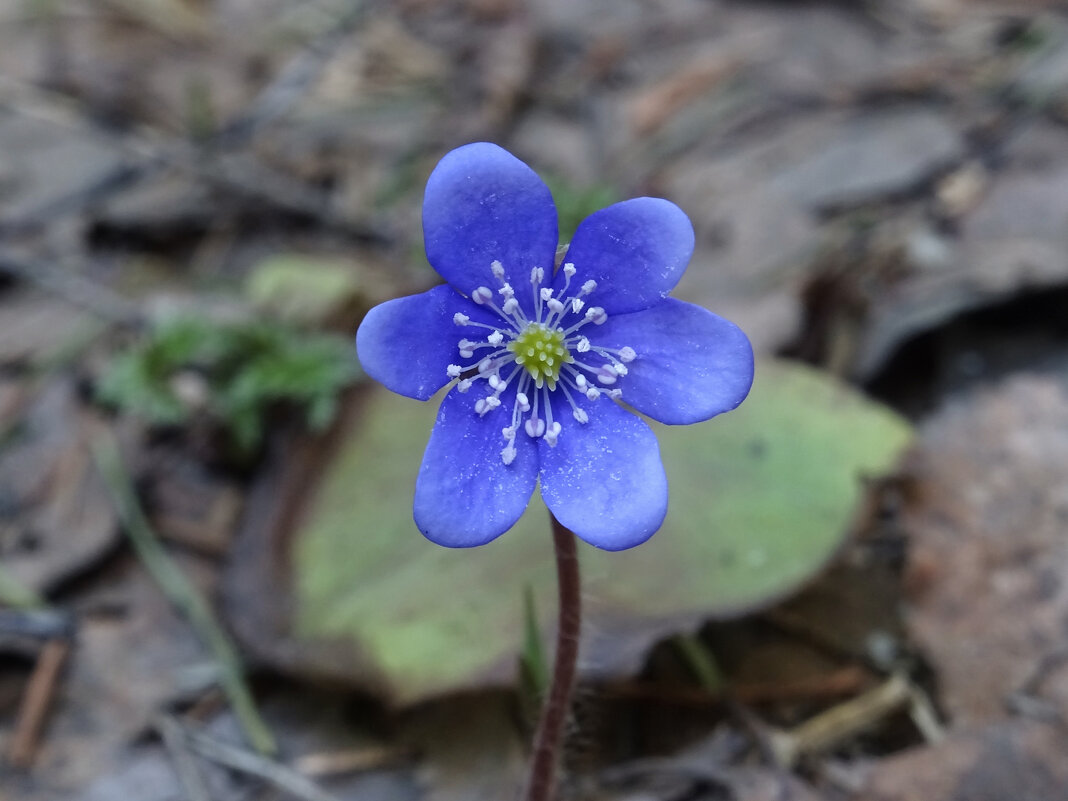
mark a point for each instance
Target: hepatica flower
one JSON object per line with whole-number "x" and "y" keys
{"x": 541, "y": 359}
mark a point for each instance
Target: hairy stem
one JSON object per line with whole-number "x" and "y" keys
{"x": 541, "y": 786}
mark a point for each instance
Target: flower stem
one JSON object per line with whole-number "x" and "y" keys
{"x": 541, "y": 786}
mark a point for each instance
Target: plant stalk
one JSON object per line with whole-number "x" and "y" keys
{"x": 548, "y": 741}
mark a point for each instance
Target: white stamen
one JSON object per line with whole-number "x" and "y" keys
{"x": 485, "y": 365}
{"x": 593, "y": 393}
{"x": 510, "y": 306}
{"x": 546, "y": 293}
{"x": 583, "y": 345}
{"x": 508, "y": 432}
{"x": 497, "y": 384}
{"x": 480, "y": 406}
{"x": 464, "y": 385}
{"x": 627, "y": 354}
{"x": 581, "y": 382}
{"x": 615, "y": 393}
{"x": 482, "y": 295}
{"x": 552, "y": 434}
{"x": 508, "y": 454}
{"x": 555, "y": 306}
{"x": 524, "y": 403}
{"x": 506, "y": 291}
{"x": 460, "y": 318}
{"x": 467, "y": 348}
{"x": 589, "y": 286}
{"x": 596, "y": 315}
{"x": 495, "y": 338}
{"x": 607, "y": 374}
{"x": 534, "y": 427}
{"x": 621, "y": 369}
{"x": 569, "y": 269}
{"x": 580, "y": 415}
{"x": 453, "y": 370}
{"x": 497, "y": 268}
{"x": 537, "y": 275}
{"x": 576, "y": 305}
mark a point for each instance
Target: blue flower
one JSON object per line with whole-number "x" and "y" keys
{"x": 539, "y": 358}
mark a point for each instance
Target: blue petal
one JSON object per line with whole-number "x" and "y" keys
{"x": 604, "y": 479}
{"x": 406, "y": 343}
{"x": 483, "y": 204}
{"x": 465, "y": 495}
{"x": 691, "y": 364}
{"x": 636, "y": 251}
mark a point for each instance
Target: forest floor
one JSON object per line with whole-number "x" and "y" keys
{"x": 879, "y": 192}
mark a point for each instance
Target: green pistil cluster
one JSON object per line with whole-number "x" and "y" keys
{"x": 541, "y": 351}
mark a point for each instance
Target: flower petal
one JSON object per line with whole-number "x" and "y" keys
{"x": 691, "y": 364}
{"x": 465, "y": 495}
{"x": 407, "y": 343}
{"x": 483, "y": 204}
{"x": 636, "y": 251}
{"x": 604, "y": 479}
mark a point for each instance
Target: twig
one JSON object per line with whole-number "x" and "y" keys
{"x": 239, "y": 759}
{"x": 181, "y": 592}
{"x": 189, "y": 775}
{"x": 292, "y": 80}
{"x": 73, "y": 288}
{"x": 35, "y": 703}
{"x": 827, "y": 729}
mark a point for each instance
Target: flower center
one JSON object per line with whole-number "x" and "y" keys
{"x": 542, "y": 352}
{"x": 533, "y": 355}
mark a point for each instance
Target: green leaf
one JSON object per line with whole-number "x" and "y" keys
{"x": 760, "y": 500}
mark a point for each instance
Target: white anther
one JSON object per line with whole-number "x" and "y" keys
{"x": 580, "y": 415}
{"x": 482, "y": 295}
{"x": 508, "y": 433}
{"x": 552, "y": 434}
{"x": 497, "y": 268}
{"x": 467, "y": 348}
{"x": 593, "y": 393}
{"x": 454, "y": 370}
{"x": 534, "y": 427}
{"x": 480, "y": 406}
{"x": 537, "y": 275}
{"x": 545, "y": 293}
{"x": 615, "y": 393}
{"x": 506, "y": 291}
{"x": 583, "y": 345}
{"x": 485, "y": 365}
{"x": 492, "y": 402}
{"x": 606, "y": 374}
{"x": 524, "y": 404}
{"x": 508, "y": 454}
{"x": 596, "y": 315}
{"x": 581, "y": 382}
{"x": 495, "y": 338}
{"x": 576, "y": 305}
{"x": 621, "y": 369}
{"x": 460, "y": 318}
{"x": 497, "y": 384}
{"x": 589, "y": 286}
{"x": 464, "y": 385}
{"x": 510, "y": 306}
{"x": 569, "y": 269}
{"x": 627, "y": 354}
{"x": 555, "y": 306}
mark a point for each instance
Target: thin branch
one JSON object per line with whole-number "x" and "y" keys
{"x": 36, "y": 701}
{"x": 189, "y": 775}
{"x": 181, "y": 592}
{"x": 281, "y": 776}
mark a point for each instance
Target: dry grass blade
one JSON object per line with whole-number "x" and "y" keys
{"x": 182, "y": 594}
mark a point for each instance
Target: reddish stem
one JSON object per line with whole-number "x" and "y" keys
{"x": 548, "y": 741}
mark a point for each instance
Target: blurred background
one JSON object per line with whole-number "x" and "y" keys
{"x": 210, "y": 584}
